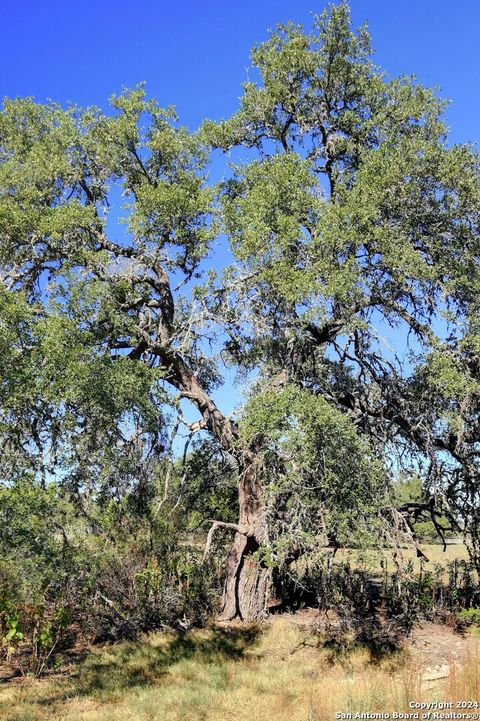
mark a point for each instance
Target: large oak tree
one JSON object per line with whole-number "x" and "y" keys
{"x": 349, "y": 217}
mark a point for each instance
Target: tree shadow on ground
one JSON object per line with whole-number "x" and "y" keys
{"x": 381, "y": 636}
{"x": 116, "y": 668}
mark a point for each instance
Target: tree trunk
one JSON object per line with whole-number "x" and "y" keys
{"x": 248, "y": 580}
{"x": 247, "y": 585}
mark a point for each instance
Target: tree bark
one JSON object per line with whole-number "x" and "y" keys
{"x": 248, "y": 580}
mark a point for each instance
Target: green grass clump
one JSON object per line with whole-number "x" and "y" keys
{"x": 470, "y": 616}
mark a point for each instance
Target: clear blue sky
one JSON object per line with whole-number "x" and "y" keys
{"x": 195, "y": 54}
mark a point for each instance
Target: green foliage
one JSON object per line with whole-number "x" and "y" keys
{"x": 352, "y": 214}
{"x": 35, "y": 573}
{"x": 309, "y": 449}
{"x": 266, "y": 209}
{"x": 410, "y": 489}
{"x": 469, "y": 616}
{"x": 98, "y": 572}
{"x": 32, "y": 634}
{"x": 348, "y": 213}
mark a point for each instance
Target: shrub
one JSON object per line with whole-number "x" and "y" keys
{"x": 469, "y": 616}
{"x": 91, "y": 572}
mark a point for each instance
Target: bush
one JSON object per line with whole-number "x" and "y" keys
{"x": 383, "y": 607}
{"x": 98, "y": 573}
{"x": 138, "y": 592}
{"x": 32, "y": 634}
{"x": 469, "y": 616}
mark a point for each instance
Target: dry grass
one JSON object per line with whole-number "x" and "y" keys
{"x": 280, "y": 672}
{"x": 434, "y": 552}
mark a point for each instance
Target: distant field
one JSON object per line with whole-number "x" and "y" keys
{"x": 371, "y": 560}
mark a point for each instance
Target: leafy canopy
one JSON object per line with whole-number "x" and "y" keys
{"x": 348, "y": 214}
